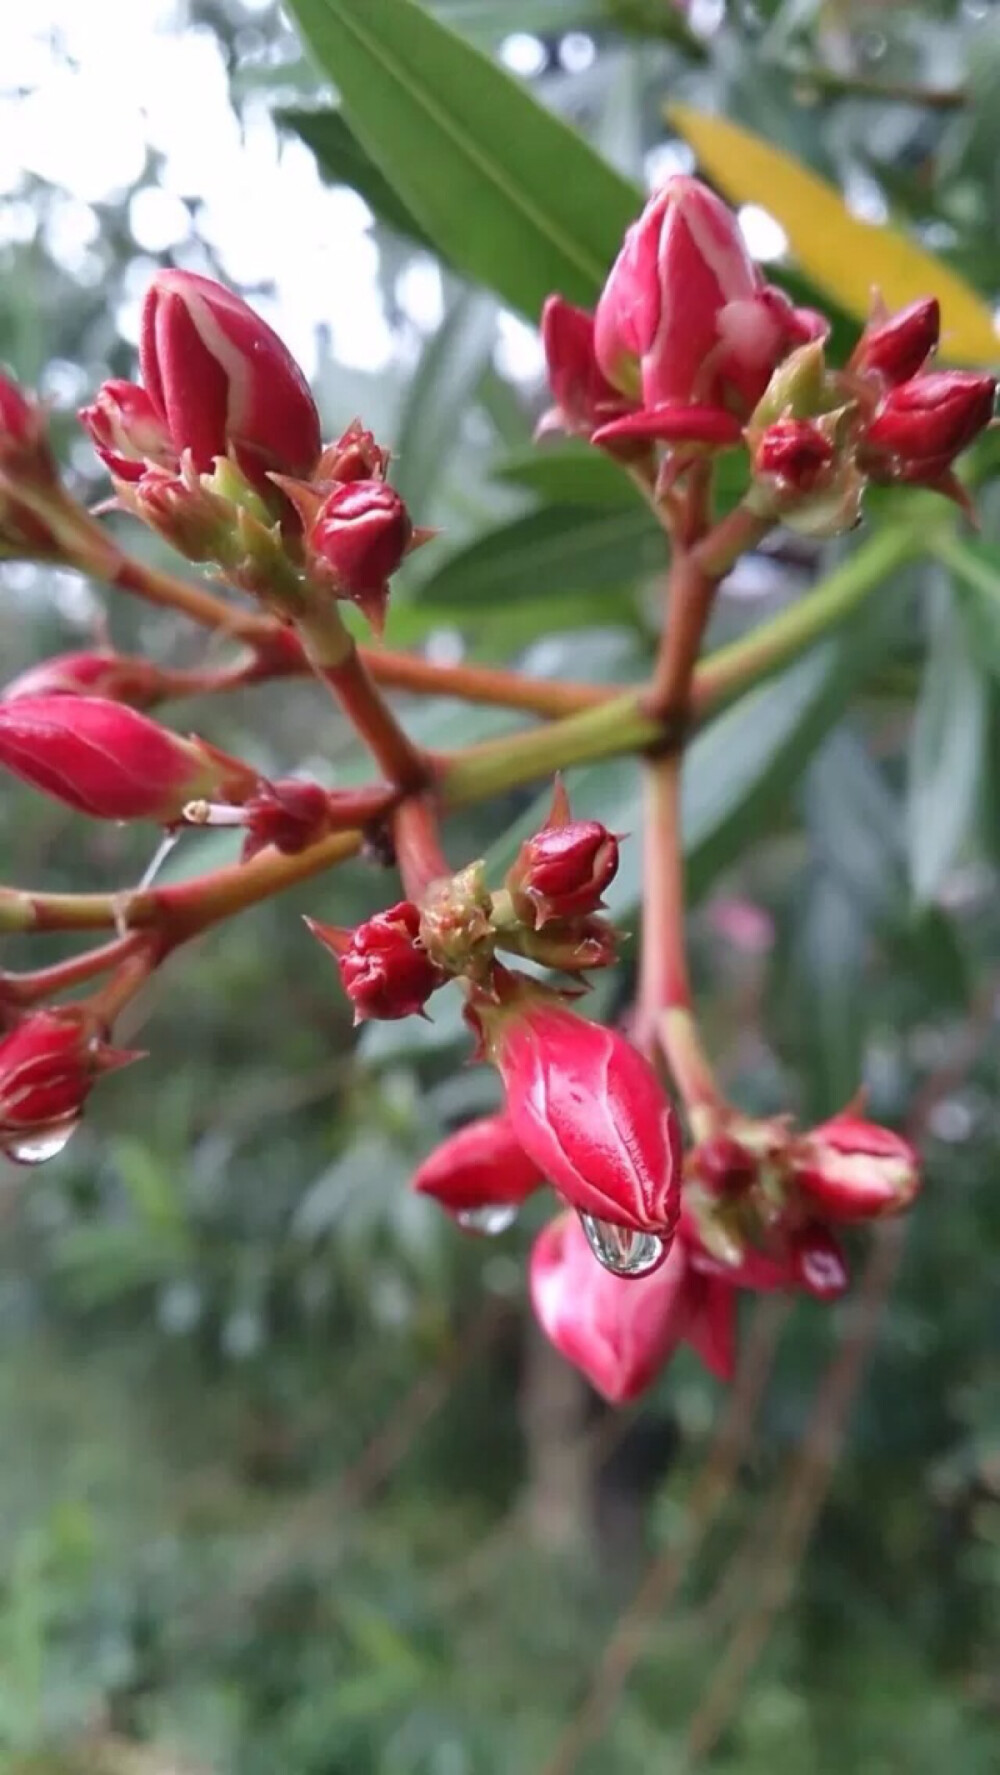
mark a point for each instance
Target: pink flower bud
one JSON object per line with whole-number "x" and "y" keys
{"x": 288, "y": 814}
{"x": 589, "y": 1110}
{"x": 384, "y": 967}
{"x": 108, "y": 761}
{"x": 127, "y": 431}
{"x": 620, "y": 1334}
{"x": 480, "y": 1166}
{"x": 48, "y": 1064}
{"x": 562, "y": 871}
{"x": 224, "y": 382}
{"x": 685, "y": 315}
{"x": 584, "y": 398}
{"x": 897, "y": 346}
{"x": 358, "y": 539}
{"x": 793, "y": 453}
{"x": 115, "y": 676}
{"x": 921, "y": 426}
{"x": 191, "y": 518}
{"x": 856, "y": 1170}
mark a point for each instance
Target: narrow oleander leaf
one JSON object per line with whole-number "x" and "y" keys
{"x": 343, "y": 161}
{"x": 555, "y": 551}
{"x": 946, "y": 750}
{"x": 449, "y": 372}
{"x": 508, "y": 193}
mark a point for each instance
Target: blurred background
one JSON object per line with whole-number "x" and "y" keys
{"x": 289, "y": 1482}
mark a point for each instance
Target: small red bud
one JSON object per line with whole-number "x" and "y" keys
{"x": 288, "y": 814}
{"x": 818, "y": 1263}
{"x": 26, "y": 462}
{"x": 48, "y": 1064}
{"x": 584, "y": 398}
{"x": 480, "y": 1166}
{"x": 723, "y": 1166}
{"x": 856, "y": 1170}
{"x": 127, "y": 431}
{"x": 899, "y": 345}
{"x": 358, "y": 539}
{"x": 562, "y": 871}
{"x": 795, "y": 453}
{"x": 354, "y": 457}
{"x": 921, "y": 426}
{"x": 118, "y": 677}
{"x": 384, "y": 968}
{"x": 107, "y": 760}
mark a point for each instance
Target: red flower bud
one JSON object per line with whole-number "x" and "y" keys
{"x": 620, "y": 1334}
{"x": 224, "y": 382}
{"x": 723, "y": 1166}
{"x": 26, "y": 461}
{"x": 704, "y": 428}
{"x": 856, "y": 1170}
{"x": 588, "y": 1109}
{"x": 897, "y": 346}
{"x": 584, "y": 398}
{"x": 191, "y": 518}
{"x": 922, "y": 425}
{"x": 794, "y": 453}
{"x": 562, "y": 871}
{"x": 289, "y": 814}
{"x": 384, "y": 967}
{"x": 108, "y": 761}
{"x": 354, "y": 457}
{"x": 685, "y": 315}
{"x": 116, "y": 676}
{"x": 818, "y": 1264}
{"x": 358, "y": 539}
{"x": 127, "y": 431}
{"x": 48, "y": 1064}
{"x": 480, "y": 1166}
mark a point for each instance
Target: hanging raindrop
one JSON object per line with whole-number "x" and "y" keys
{"x": 489, "y": 1221}
{"x": 44, "y": 1143}
{"x": 167, "y": 843}
{"x": 623, "y": 1249}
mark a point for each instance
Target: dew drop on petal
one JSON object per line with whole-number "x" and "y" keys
{"x": 623, "y": 1249}
{"x": 44, "y": 1143}
{"x": 489, "y": 1221}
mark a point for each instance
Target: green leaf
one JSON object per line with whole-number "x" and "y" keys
{"x": 557, "y": 551}
{"x": 344, "y": 162}
{"x": 572, "y": 474}
{"x": 976, "y": 568}
{"x": 946, "y": 751}
{"x": 450, "y": 369}
{"x": 507, "y": 192}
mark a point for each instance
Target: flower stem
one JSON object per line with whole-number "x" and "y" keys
{"x": 333, "y": 654}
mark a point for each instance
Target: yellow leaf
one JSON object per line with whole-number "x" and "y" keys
{"x": 845, "y": 257}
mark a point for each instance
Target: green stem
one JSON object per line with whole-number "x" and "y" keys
{"x": 731, "y": 670}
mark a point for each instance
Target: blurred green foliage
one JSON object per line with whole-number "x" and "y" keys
{"x": 285, "y": 1481}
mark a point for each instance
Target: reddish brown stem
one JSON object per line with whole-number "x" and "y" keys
{"x": 693, "y": 582}
{"x": 419, "y": 852}
{"x": 46, "y": 983}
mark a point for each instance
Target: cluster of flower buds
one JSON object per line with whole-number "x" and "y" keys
{"x": 219, "y": 451}
{"x": 30, "y": 490}
{"x": 49, "y": 1063}
{"x": 689, "y": 348}
{"x": 762, "y": 1204}
{"x": 546, "y": 911}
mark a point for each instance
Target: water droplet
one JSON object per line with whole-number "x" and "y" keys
{"x": 45, "y": 1143}
{"x": 495, "y": 1218}
{"x": 622, "y": 1249}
